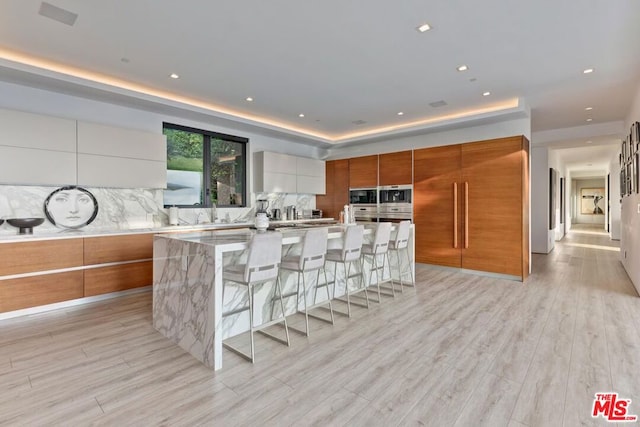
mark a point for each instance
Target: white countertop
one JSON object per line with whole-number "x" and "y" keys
{"x": 73, "y": 234}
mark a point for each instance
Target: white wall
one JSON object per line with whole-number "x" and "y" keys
{"x": 630, "y": 218}
{"x": 614, "y": 199}
{"x": 542, "y": 239}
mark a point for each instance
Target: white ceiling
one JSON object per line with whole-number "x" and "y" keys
{"x": 341, "y": 61}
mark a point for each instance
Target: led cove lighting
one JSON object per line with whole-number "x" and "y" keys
{"x": 588, "y": 71}
{"x": 462, "y": 68}
{"x": 423, "y": 28}
{"x": 174, "y": 76}
{"x": 101, "y": 79}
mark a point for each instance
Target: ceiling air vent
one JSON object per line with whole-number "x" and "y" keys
{"x": 57, "y": 14}
{"x": 437, "y": 104}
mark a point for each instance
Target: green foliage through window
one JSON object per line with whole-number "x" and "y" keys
{"x": 204, "y": 168}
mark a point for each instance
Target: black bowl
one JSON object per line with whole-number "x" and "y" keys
{"x": 25, "y": 224}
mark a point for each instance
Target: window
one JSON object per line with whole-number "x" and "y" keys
{"x": 204, "y": 168}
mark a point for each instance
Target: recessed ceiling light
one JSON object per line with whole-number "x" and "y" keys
{"x": 589, "y": 120}
{"x": 249, "y": 99}
{"x": 589, "y": 108}
{"x": 400, "y": 113}
{"x": 588, "y": 71}
{"x": 589, "y": 142}
{"x": 174, "y": 76}
{"x": 300, "y": 115}
{"x": 486, "y": 94}
{"x": 462, "y": 68}
{"x": 424, "y": 27}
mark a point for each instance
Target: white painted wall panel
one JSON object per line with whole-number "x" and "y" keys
{"x": 27, "y": 130}
{"x": 119, "y": 172}
{"x": 28, "y": 166}
{"x": 94, "y": 138}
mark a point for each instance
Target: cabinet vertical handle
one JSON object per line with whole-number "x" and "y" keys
{"x": 466, "y": 215}
{"x": 455, "y": 215}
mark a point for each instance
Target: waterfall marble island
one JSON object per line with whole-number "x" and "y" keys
{"x": 187, "y": 286}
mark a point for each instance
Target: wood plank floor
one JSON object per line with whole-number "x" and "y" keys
{"x": 458, "y": 350}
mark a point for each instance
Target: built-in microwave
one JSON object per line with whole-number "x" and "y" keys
{"x": 395, "y": 194}
{"x": 363, "y": 196}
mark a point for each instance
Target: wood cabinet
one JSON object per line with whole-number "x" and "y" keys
{"x": 25, "y": 292}
{"x": 363, "y": 171}
{"x": 337, "y": 185}
{"x": 117, "y": 278}
{"x": 131, "y": 252}
{"x": 28, "y": 257}
{"x": 395, "y": 168}
{"x": 49, "y": 271}
{"x": 471, "y": 206}
{"x": 100, "y": 250}
{"x": 437, "y": 210}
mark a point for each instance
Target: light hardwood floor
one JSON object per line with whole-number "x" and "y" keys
{"x": 460, "y": 349}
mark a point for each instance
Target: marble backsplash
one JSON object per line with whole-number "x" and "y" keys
{"x": 128, "y": 209}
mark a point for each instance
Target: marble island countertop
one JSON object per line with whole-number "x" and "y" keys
{"x": 6, "y": 237}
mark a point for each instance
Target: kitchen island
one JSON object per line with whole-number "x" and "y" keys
{"x": 187, "y": 287}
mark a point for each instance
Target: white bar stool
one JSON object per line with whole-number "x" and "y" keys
{"x": 379, "y": 247}
{"x": 401, "y": 242}
{"x": 311, "y": 258}
{"x": 347, "y": 255}
{"x": 265, "y": 251}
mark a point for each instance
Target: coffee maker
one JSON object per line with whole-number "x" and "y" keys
{"x": 261, "y": 206}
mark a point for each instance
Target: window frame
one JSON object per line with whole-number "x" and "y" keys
{"x": 206, "y": 160}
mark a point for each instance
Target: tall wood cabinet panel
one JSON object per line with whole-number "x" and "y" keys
{"x": 363, "y": 171}
{"x": 495, "y": 173}
{"x": 337, "y": 188}
{"x": 471, "y": 206}
{"x": 437, "y": 209}
{"x": 395, "y": 168}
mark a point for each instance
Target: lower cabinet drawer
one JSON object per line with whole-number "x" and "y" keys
{"x": 114, "y": 278}
{"x": 16, "y": 294}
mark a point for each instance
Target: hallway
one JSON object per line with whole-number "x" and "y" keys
{"x": 459, "y": 349}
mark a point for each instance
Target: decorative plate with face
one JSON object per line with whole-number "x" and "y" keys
{"x": 71, "y": 207}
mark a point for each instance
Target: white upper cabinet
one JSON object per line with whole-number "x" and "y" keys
{"x": 116, "y": 157}
{"x": 36, "y": 149}
{"x": 94, "y": 138}
{"x": 28, "y": 130}
{"x": 282, "y": 173}
{"x": 310, "y": 176}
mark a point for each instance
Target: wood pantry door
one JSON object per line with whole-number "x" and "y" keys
{"x": 437, "y": 207}
{"x": 493, "y": 173}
